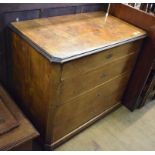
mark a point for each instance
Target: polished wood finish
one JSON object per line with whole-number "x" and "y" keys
{"x": 94, "y": 78}
{"x": 69, "y": 32}
{"x": 7, "y": 120}
{"x": 147, "y": 55}
{"x": 27, "y": 146}
{"x": 20, "y": 135}
{"x": 34, "y": 81}
{"x": 64, "y": 97}
{"x": 85, "y": 107}
{"x": 98, "y": 60}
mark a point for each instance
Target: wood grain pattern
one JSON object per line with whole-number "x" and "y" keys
{"x": 85, "y": 31}
{"x": 27, "y": 146}
{"x": 146, "y": 57}
{"x": 24, "y": 11}
{"x": 91, "y": 98}
{"x": 73, "y": 87}
{"x": 119, "y": 131}
{"x": 139, "y": 76}
{"x": 75, "y": 92}
{"x": 72, "y": 69}
{"x": 7, "y": 120}
{"x": 132, "y": 15}
{"x": 30, "y": 86}
{"x": 23, "y": 133}
{"x": 89, "y": 105}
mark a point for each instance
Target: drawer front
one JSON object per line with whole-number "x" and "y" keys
{"x": 81, "y": 109}
{"x": 91, "y": 62}
{"x": 78, "y": 85}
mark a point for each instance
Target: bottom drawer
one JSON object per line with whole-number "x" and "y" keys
{"x": 71, "y": 115}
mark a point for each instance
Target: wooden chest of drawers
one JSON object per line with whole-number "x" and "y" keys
{"x": 69, "y": 71}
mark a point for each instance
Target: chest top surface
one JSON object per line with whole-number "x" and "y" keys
{"x": 64, "y": 38}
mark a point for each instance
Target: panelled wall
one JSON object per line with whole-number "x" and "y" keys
{"x": 18, "y": 12}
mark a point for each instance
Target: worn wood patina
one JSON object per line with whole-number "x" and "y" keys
{"x": 71, "y": 70}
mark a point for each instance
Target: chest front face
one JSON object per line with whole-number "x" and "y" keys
{"x": 93, "y": 84}
{"x": 68, "y": 94}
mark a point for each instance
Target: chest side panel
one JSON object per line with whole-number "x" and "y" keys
{"x": 31, "y": 80}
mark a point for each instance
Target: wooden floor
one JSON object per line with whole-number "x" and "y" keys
{"x": 121, "y": 130}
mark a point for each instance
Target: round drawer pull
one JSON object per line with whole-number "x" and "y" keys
{"x": 109, "y": 56}
{"x": 103, "y": 75}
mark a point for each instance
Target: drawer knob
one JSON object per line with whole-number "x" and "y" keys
{"x": 98, "y": 94}
{"x": 109, "y": 56}
{"x": 103, "y": 75}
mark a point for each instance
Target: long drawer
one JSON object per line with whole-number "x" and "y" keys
{"x": 81, "y": 109}
{"x": 83, "y": 65}
{"x": 75, "y": 86}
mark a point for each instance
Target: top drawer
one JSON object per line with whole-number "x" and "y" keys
{"x": 85, "y": 64}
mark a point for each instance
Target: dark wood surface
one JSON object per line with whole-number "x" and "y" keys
{"x": 24, "y": 133}
{"x": 140, "y": 75}
{"x": 148, "y": 93}
{"x": 147, "y": 54}
{"x": 132, "y": 15}
{"x": 7, "y": 120}
{"x": 27, "y": 146}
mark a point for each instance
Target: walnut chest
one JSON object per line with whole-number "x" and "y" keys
{"x": 68, "y": 71}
